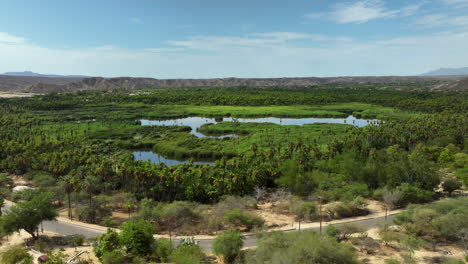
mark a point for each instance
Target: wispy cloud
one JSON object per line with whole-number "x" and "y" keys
{"x": 7, "y": 38}
{"x": 363, "y": 11}
{"x": 136, "y": 20}
{"x": 267, "y": 54}
{"x": 250, "y": 40}
{"x": 435, "y": 20}
{"x": 455, "y": 2}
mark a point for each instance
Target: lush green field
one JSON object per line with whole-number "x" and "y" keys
{"x": 141, "y": 111}
{"x": 262, "y": 136}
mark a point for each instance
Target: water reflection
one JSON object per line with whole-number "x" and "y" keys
{"x": 156, "y": 159}
{"x": 196, "y": 122}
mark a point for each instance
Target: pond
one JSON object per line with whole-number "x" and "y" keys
{"x": 156, "y": 159}
{"x": 196, "y": 122}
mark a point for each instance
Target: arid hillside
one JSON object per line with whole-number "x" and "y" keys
{"x": 48, "y": 85}
{"x": 24, "y": 83}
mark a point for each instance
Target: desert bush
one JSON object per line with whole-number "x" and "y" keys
{"x": 344, "y": 231}
{"x": 93, "y": 214}
{"x": 451, "y": 184}
{"x": 301, "y": 247}
{"x": 76, "y": 240}
{"x": 40, "y": 245}
{"x": 24, "y": 195}
{"x": 15, "y": 255}
{"x": 462, "y": 175}
{"x": 109, "y": 222}
{"x": 412, "y": 194}
{"x": 239, "y": 218}
{"x": 106, "y": 243}
{"x": 178, "y": 216}
{"x": 163, "y": 249}
{"x": 114, "y": 257}
{"x": 227, "y": 245}
{"x": 391, "y": 198}
{"x": 187, "y": 254}
{"x": 357, "y": 207}
{"x": 137, "y": 237}
{"x": 303, "y": 211}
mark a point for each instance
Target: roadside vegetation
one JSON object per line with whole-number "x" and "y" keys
{"x": 74, "y": 151}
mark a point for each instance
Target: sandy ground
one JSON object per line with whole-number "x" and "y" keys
{"x": 13, "y": 95}
{"x": 21, "y": 237}
{"x": 386, "y": 252}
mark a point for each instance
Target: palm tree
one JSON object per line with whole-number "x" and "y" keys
{"x": 68, "y": 183}
{"x": 2, "y": 203}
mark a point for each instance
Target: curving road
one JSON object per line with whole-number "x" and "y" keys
{"x": 66, "y": 228}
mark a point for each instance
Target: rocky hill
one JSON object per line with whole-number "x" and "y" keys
{"x": 448, "y": 71}
{"x": 459, "y": 85}
{"x": 24, "y": 83}
{"x": 47, "y": 85}
{"x": 98, "y": 83}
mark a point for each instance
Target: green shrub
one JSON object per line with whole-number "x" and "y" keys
{"x": 57, "y": 258}
{"x": 114, "y": 257}
{"x": 94, "y": 214}
{"x": 40, "y": 245}
{"x": 15, "y": 255}
{"x": 187, "y": 254}
{"x": 301, "y": 247}
{"x": 413, "y": 194}
{"x": 392, "y": 261}
{"x": 24, "y": 195}
{"x": 357, "y": 207}
{"x": 106, "y": 243}
{"x": 137, "y": 237}
{"x": 76, "y": 240}
{"x": 462, "y": 175}
{"x": 227, "y": 245}
{"x": 451, "y": 184}
{"x": 163, "y": 249}
{"x": 109, "y": 222}
{"x": 239, "y": 218}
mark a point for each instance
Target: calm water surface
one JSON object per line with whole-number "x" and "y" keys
{"x": 197, "y": 122}
{"x": 156, "y": 158}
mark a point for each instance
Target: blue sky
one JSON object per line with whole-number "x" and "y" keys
{"x": 242, "y": 38}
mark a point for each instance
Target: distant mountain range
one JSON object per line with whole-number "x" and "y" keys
{"x": 24, "y": 82}
{"x": 33, "y": 74}
{"x": 447, "y": 71}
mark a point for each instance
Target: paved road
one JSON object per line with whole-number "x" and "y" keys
{"x": 66, "y": 228}
{"x": 251, "y": 240}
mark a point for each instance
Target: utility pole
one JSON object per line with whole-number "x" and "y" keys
{"x": 321, "y": 218}
{"x": 386, "y": 212}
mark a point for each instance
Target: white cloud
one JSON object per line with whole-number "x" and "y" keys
{"x": 363, "y": 11}
{"x": 136, "y": 20}
{"x": 455, "y": 2}
{"x": 435, "y": 20}
{"x": 251, "y": 40}
{"x": 270, "y": 54}
{"x": 7, "y": 38}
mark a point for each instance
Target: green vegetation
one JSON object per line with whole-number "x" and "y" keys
{"x": 441, "y": 221}
{"x": 301, "y": 247}
{"x": 78, "y": 149}
{"x": 15, "y": 255}
{"x": 136, "y": 243}
{"x": 227, "y": 245}
{"x": 28, "y": 215}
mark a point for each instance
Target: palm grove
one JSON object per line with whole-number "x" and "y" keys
{"x": 49, "y": 140}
